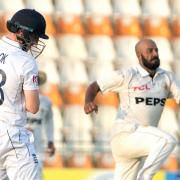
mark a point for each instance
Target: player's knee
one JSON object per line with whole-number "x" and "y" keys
{"x": 171, "y": 142}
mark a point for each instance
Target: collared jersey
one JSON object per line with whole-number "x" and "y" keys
{"x": 18, "y": 72}
{"x": 142, "y": 98}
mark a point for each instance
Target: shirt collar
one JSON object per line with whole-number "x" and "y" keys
{"x": 144, "y": 73}
{"x": 10, "y": 42}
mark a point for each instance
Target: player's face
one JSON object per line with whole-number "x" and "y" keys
{"x": 151, "y": 64}
{"x": 33, "y": 39}
{"x": 150, "y": 58}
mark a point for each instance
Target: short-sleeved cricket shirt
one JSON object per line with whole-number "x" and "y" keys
{"x": 142, "y": 98}
{"x": 18, "y": 72}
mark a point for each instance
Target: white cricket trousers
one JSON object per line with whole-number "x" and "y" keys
{"x": 18, "y": 160}
{"x": 140, "y": 154}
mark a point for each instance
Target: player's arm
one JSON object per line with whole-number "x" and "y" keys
{"x": 109, "y": 82}
{"x": 31, "y": 100}
{"x": 91, "y": 93}
{"x": 29, "y": 77}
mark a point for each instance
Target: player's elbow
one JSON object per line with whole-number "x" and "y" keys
{"x": 33, "y": 109}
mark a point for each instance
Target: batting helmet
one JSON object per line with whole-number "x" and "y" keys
{"x": 30, "y": 20}
{"x": 32, "y": 25}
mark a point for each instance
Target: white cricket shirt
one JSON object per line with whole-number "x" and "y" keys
{"x": 141, "y": 98}
{"x": 18, "y": 72}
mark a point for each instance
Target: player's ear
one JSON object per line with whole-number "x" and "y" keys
{"x": 138, "y": 54}
{"x": 19, "y": 33}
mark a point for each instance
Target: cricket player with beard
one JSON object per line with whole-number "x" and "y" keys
{"x": 138, "y": 146}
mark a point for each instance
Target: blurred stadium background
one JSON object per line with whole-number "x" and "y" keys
{"x": 89, "y": 38}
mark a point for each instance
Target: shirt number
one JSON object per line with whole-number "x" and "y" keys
{"x": 2, "y": 82}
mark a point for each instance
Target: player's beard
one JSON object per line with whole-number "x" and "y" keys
{"x": 153, "y": 64}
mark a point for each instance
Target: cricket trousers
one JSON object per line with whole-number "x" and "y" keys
{"x": 140, "y": 154}
{"x": 18, "y": 160}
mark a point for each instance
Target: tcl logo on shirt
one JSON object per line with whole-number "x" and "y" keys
{"x": 150, "y": 101}
{"x": 141, "y": 88}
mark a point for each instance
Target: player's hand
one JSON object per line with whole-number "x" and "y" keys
{"x": 30, "y": 129}
{"x": 51, "y": 149}
{"x": 90, "y": 107}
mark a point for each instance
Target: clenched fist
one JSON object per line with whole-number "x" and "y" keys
{"x": 90, "y": 107}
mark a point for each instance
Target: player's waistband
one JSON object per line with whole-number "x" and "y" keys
{"x": 123, "y": 126}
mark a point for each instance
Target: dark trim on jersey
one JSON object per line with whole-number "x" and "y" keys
{"x": 11, "y": 44}
{"x": 28, "y": 149}
{"x": 12, "y": 144}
